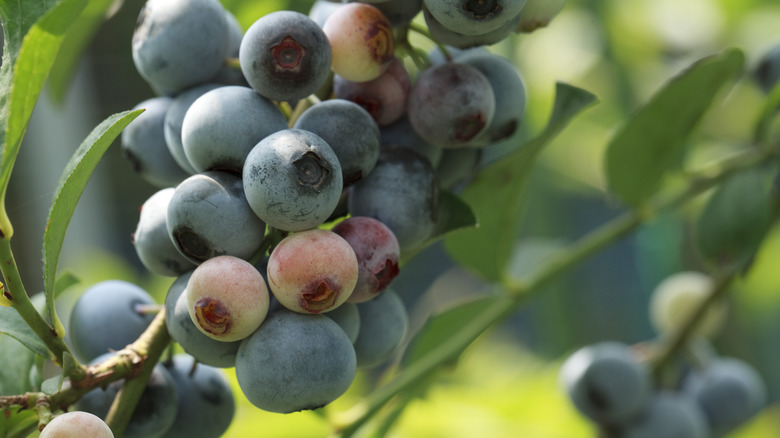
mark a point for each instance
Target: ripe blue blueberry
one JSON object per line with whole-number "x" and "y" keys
{"x": 206, "y": 406}
{"x": 285, "y": 56}
{"x": 402, "y": 192}
{"x": 292, "y": 180}
{"x": 295, "y": 362}
{"x": 349, "y": 130}
{"x": 154, "y": 247}
{"x": 383, "y": 325}
{"x": 669, "y": 415}
{"x": 107, "y": 317}
{"x": 606, "y": 382}
{"x": 143, "y": 144}
{"x": 153, "y": 415}
{"x": 224, "y": 124}
{"x": 180, "y": 43}
{"x": 174, "y": 117}
{"x": 208, "y": 216}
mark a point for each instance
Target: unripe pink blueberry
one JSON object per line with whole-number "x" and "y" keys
{"x": 76, "y": 424}
{"x": 377, "y": 251}
{"x": 312, "y": 271}
{"x": 227, "y": 298}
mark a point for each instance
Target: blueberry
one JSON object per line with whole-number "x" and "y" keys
{"x": 606, "y": 382}
{"x": 143, "y": 144}
{"x": 508, "y": 90}
{"x": 474, "y": 17}
{"x": 384, "y": 97}
{"x": 454, "y": 38}
{"x": 76, "y": 424}
{"x": 729, "y": 391}
{"x": 227, "y": 298}
{"x": 224, "y": 124}
{"x": 312, "y": 271}
{"x": 321, "y": 9}
{"x": 183, "y": 331}
{"x": 349, "y": 130}
{"x": 767, "y": 72}
{"x": 451, "y": 105}
{"x": 348, "y": 318}
{"x": 292, "y": 180}
{"x": 667, "y": 415}
{"x": 206, "y": 406}
{"x": 676, "y": 297}
{"x": 105, "y": 317}
{"x": 362, "y": 41}
{"x": 151, "y": 241}
{"x": 208, "y": 216}
{"x": 285, "y": 56}
{"x": 174, "y": 118}
{"x": 180, "y": 43}
{"x": 402, "y": 192}
{"x": 401, "y": 133}
{"x": 295, "y": 362}
{"x": 155, "y": 412}
{"x": 377, "y": 251}
{"x": 384, "y": 323}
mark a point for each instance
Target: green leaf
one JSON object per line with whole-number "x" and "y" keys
{"x": 442, "y": 326}
{"x": 735, "y": 219}
{"x": 15, "y": 423}
{"x": 454, "y": 214}
{"x": 529, "y": 255}
{"x": 52, "y": 385}
{"x": 652, "y": 141}
{"x": 15, "y": 365}
{"x": 24, "y": 71}
{"x": 71, "y": 185}
{"x": 13, "y": 325}
{"x": 64, "y": 281}
{"x": 76, "y": 40}
{"x": 497, "y": 194}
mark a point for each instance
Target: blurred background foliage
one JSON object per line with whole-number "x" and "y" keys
{"x": 505, "y": 385}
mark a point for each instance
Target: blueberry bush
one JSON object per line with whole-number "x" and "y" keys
{"x": 413, "y": 218}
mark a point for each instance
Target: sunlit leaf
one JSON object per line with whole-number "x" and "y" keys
{"x": 651, "y": 142}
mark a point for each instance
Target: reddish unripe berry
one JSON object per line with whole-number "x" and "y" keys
{"x": 377, "y": 251}
{"x": 384, "y": 97}
{"x": 312, "y": 271}
{"x": 77, "y": 424}
{"x": 362, "y": 41}
{"x": 227, "y": 298}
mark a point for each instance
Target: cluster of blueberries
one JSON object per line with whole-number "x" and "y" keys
{"x": 295, "y": 163}
{"x": 628, "y": 393}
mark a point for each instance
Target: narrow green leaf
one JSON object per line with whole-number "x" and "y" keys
{"x": 13, "y": 325}
{"x": 454, "y": 214}
{"x": 21, "y": 423}
{"x": 735, "y": 219}
{"x": 30, "y": 68}
{"x": 52, "y": 385}
{"x": 652, "y": 141}
{"x": 16, "y": 361}
{"x": 442, "y": 326}
{"x": 497, "y": 194}
{"x": 71, "y": 185}
{"x": 64, "y": 281}
{"x": 78, "y": 37}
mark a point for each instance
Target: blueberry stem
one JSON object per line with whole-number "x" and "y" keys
{"x": 424, "y": 32}
{"x": 516, "y": 292}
